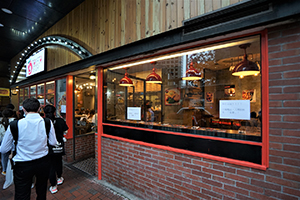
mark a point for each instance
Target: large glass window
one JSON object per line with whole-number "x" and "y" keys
{"x": 61, "y": 97}
{"x": 85, "y": 101}
{"x": 211, "y": 90}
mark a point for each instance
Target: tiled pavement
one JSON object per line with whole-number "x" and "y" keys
{"x": 77, "y": 185}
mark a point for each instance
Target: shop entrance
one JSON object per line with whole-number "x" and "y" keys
{"x": 85, "y": 120}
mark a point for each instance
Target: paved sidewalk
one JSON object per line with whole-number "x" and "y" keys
{"x": 77, "y": 185}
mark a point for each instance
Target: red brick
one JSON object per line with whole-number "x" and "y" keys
{"x": 260, "y": 196}
{"x": 224, "y": 192}
{"x": 152, "y": 152}
{"x": 201, "y": 163}
{"x": 183, "y": 159}
{"x": 284, "y": 125}
{"x": 183, "y": 169}
{"x": 223, "y": 168}
{"x": 277, "y": 146}
{"x": 273, "y": 76}
{"x": 158, "y": 158}
{"x": 199, "y": 194}
{"x": 285, "y": 168}
{"x": 211, "y": 193}
{"x": 275, "y": 117}
{"x": 211, "y": 171}
{"x": 282, "y": 54}
{"x": 275, "y": 90}
{"x": 167, "y": 155}
{"x": 190, "y": 196}
{"x": 288, "y": 161}
{"x": 173, "y": 171}
{"x": 292, "y": 133}
{"x": 264, "y": 184}
{"x": 202, "y": 185}
{"x": 211, "y": 182}
{"x": 274, "y": 35}
{"x": 292, "y": 118}
{"x": 163, "y": 181}
{"x": 183, "y": 189}
{"x": 275, "y": 159}
{"x": 284, "y": 139}
{"x": 191, "y": 186}
{"x": 166, "y": 164}
{"x": 279, "y": 195}
{"x": 175, "y": 162}
{"x": 292, "y": 45}
{"x": 289, "y": 61}
{"x": 293, "y": 177}
{"x": 284, "y": 154}
{"x": 283, "y": 96}
{"x": 275, "y": 62}
{"x": 190, "y": 176}
{"x": 236, "y": 190}
{"x": 250, "y": 174}
{"x": 237, "y": 177}
{"x": 272, "y": 172}
{"x": 182, "y": 179}
{"x": 223, "y": 180}
{"x": 293, "y": 29}
{"x": 283, "y": 40}
{"x": 276, "y": 132}
{"x": 284, "y": 68}
{"x": 243, "y": 197}
{"x": 291, "y": 103}
{"x": 295, "y": 148}
{"x": 249, "y": 187}
{"x": 294, "y": 192}
{"x": 274, "y": 48}
{"x": 291, "y": 89}
{"x": 281, "y": 181}
{"x": 284, "y": 82}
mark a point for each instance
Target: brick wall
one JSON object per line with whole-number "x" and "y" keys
{"x": 84, "y": 147}
{"x": 158, "y": 174}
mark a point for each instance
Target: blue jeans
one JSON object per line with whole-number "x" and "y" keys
{"x": 4, "y": 160}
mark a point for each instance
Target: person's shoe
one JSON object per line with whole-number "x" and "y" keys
{"x": 53, "y": 189}
{"x": 4, "y": 173}
{"x": 60, "y": 181}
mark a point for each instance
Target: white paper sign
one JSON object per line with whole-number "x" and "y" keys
{"x": 63, "y": 109}
{"x": 134, "y": 113}
{"x": 235, "y": 109}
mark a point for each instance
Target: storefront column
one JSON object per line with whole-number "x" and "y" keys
{"x": 100, "y": 120}
{"x": 69, "y": 106}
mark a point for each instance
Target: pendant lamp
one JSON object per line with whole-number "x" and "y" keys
{"x": 153, "y": 77}
{"x": 192, "y": 74}
{"x": 126, "y": 81}
{"x": 246, "y": 67}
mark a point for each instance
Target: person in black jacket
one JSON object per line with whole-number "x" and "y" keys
{"x": 60, "y": 126}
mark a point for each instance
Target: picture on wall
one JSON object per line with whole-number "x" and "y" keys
{"x": 249, "y": 95}
{"x": 209, "y": 97}
{"x": 229, "y": 90}
{"x": 172, "y": 97}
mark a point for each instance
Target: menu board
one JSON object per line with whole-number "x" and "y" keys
{"x": 235, "y": 109}
{"x": 134, "y": 113}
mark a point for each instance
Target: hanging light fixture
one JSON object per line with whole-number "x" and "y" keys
{"x": 92, "y": 76}
{"x": 126, "y": 81}
{"x": 153, "y": 77}
{"x": 246, "y": 67}
{"x": 192, "y": 74}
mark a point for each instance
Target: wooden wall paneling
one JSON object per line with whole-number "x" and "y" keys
{"x": 112, "y": 24}
{"x": 180, "y": 12}
{"x": 173, "y": 9}
{"x": 149, "y": 18}
{"x": 118, "y": 24}
{"x": 225, "y": 3}
{"x": 200, "y": 7}
{"x": 106, "y": 30}
{"x": 91, "y": 27}
{"x": 138, "y": 19}
{"x": 162, "y": 19}
{"x": 186, "y": 10}
{"x": 194, "y": 8}
{"x": 102, "y": 15}
{"x": 156, "y": 17}
{"x": 168, "y": 14}
{"x": 142, "y": 20}
{"x": 216, "y": 4}
{"x": 208, "y": 6}
{"x": 123, "y": 22}
{"x": 234, "y": 1}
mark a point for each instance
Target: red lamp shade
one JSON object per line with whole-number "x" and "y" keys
{"x": 192, "y": 74}
{"x": 125, "y": 81}
{"x": 153, "y": 77}
{"x": 246, "y": 67}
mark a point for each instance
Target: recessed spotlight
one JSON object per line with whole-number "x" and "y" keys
{"x": 1, "y": 25}
{"x": 6, "y": 10}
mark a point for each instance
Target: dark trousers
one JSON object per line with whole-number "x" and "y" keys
{"x": 23, "y": 174}
{"x": 55, "y": 168}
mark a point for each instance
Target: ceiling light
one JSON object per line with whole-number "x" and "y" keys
{"x": 6, "y": 10}
{"x": 246, "y": 67}
{"x": 126, "y": 81}
{"x": 153, "y": 77}
{"x": 192, "y": 74}
{"x": 92, "y": 76}
{"x": 1, "y": 25}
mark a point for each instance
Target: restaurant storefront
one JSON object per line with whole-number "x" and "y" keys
{"x": 195, "y": 112}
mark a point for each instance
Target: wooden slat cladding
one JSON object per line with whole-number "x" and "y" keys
{"x": 101, "y": 25}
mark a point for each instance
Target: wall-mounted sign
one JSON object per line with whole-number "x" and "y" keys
{"x": 235, "y": 109}
{"x": 4, "y": 92}
{"x": 35, "y": 63}
{"x": 134, "y": 113}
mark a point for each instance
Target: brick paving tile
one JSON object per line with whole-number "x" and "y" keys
{"x": 77, "y": 185}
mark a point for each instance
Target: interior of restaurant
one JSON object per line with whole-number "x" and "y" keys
{"x": 133, "y": 95}
{"x": 85, "y": 103}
